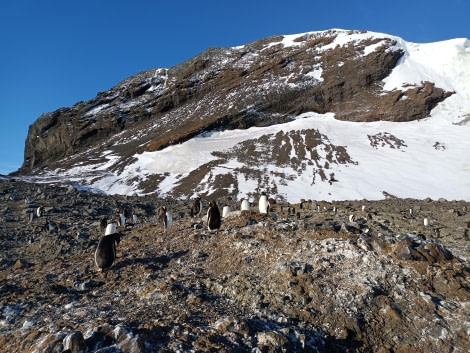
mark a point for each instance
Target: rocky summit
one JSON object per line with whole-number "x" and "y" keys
{"x": 270, "y": 112}
{"x": 314, "y": 276}
{"x": 262, "y": 83}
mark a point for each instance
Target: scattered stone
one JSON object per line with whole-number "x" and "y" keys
{"x": 318, "y": 283}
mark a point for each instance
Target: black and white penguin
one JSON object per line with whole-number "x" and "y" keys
{"x": 263, "y": 204}
{"x": 105, "y": 253}
{"x": 103, "y": 223}
{"x": 196, "y": 210}
{"x": 30, "y": 217}
{"x": 122, "y": 220}
{"x": 127, "y": 212}
{"x": 132, "y": 220}
{"x": 117, "y": 219}
{"x": 166, "y": 219}
{"x": 245, "y": 206}
{"x": 226, "y": 211}
{"x": 213, "y": 216}
{"x": 40, "y": 211}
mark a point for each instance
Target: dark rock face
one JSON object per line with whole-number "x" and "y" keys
{"x": 259, "y": 84}
{"x": 349, "y": 276}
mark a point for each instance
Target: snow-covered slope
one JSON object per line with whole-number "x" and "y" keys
{"x": 349, "y": 160}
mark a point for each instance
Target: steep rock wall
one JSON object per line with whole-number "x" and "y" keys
{"x": 262, "y": 83}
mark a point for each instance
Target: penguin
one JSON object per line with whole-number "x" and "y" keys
{"x": 122, "y": 221}
{"x": 196, "y": 210}
{"x": 245, "y": 205}
{"x": 126, "y": 212}
{"x": 263, "y": 204}
{"x": 118, "y": 218}
{"x": 40, "y": 211}
{"x": 166, "y": 219}
{"x": 103, "y": 223}
{"x": 105, "y": 253}
{"x": 226, "y": 210}
{"x": 134, "y": 218}
{"x": 30, "y": 216}
{"x": 213, "y": 217}
{"x": 110, "y": 228}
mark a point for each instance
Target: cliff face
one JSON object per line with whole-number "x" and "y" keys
{"x": 266, "y": 82}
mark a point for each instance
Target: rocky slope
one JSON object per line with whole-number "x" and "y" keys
{"x": 266, "y": 82}
{"x": 305, "y": 277}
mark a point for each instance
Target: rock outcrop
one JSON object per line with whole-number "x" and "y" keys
{"x": 258, "y": 84}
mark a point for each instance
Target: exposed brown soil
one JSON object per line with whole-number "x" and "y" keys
{"x": 302, "y": 278}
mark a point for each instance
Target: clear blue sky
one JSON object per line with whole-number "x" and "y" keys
{"x": 54, "y": 53}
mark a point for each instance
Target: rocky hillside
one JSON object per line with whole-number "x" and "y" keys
{"x": 306, "y": 277}
{"x": 266, "y": 82}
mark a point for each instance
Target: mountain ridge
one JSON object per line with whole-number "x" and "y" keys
{"x": 264, "y": 83}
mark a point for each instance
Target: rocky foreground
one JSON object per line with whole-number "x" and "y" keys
{"x": 305, "y": 277}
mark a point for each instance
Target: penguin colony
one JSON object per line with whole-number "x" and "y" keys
{"x": 105, "y": 254}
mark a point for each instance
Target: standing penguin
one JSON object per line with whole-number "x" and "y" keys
{"x": 263, "y": 204}
{"x": 30, "y": 217}
{"x": 196, "y": 210}
{"x": 166, "y": 219}
{"x": 105, "y": 253}
{"x": 226, "y": 210}
{"x": 134, "y": 218}
{"x": 103, "y": 223}
{"x": 122, "y": 220}
{"x": 118, "y": 218}
{"x": 213, "y": 216}
{"x": 245, "y": 206}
